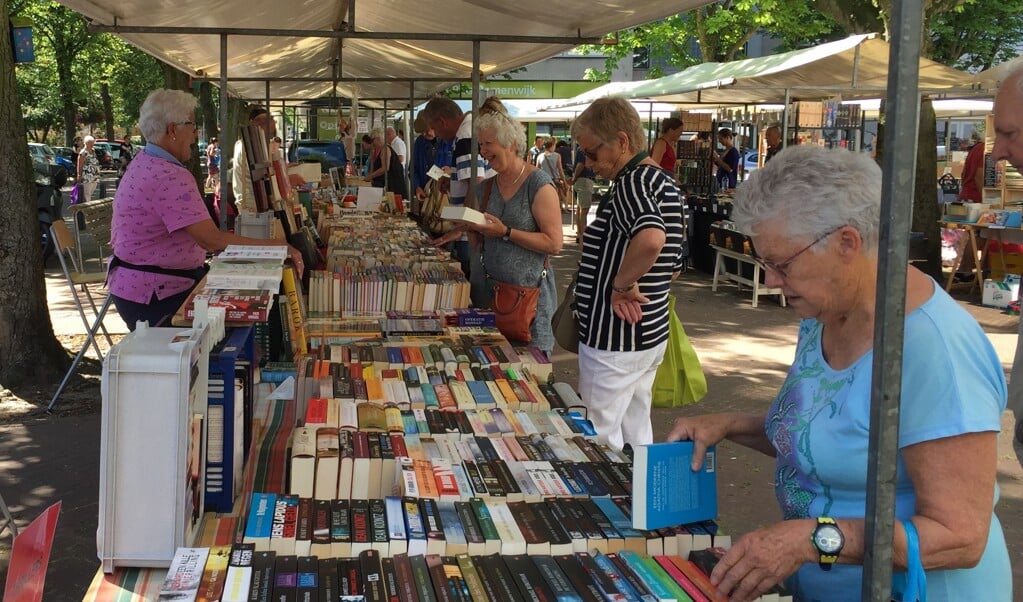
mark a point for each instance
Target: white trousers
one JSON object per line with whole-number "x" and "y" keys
{"x": 617, "y": 387}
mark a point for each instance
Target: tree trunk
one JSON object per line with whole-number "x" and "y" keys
{"x": 925, "y": 205}
{"x": 179, "y": 80}
{"x": 70, "y": 110}
{"x": 29, "y": 352}
{"x": 108, "y": 110}
{"x": 208, "y": 110}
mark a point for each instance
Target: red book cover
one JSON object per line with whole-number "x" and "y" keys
{"x": 316, "y": 411}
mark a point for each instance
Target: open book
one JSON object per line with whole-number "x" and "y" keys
{"x": 460, "y": 213}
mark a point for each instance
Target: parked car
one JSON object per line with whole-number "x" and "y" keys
{"x": 328, "y": 153}
{"x": 750, "y": 162}
{"x": 104, "y": 158}
{"x": 113, "y": 152}
{"x": 67, "y": 159}
{"x": 45, "y": 154}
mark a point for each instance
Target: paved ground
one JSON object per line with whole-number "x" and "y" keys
{"x": 745, "y": 353}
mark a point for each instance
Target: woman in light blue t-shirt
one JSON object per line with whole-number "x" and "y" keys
{"x": 813, "y": 217}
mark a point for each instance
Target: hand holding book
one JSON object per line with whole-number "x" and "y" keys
{"x": 710, "y": 429}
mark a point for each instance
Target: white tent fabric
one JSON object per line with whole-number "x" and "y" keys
{"x": 856, "y": 67}
{"x": 270, "y": 57}
{"x": 533, "y": 110}
{"x": 990, "y": 79}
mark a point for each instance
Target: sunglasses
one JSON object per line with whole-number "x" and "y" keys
{"x": 781, "y": 268}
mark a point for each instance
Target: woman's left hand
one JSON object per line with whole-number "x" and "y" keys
{"x": 494, "y": 228}
{"x": 762, "y": 559}
{"x": 628, "y": 305}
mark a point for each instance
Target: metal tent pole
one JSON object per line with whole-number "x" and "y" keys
{"x": 226, "y": 137}
{"x": 896, "y": 204}
{"x": 475, "y": 105}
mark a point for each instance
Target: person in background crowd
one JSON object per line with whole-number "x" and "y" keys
{"x": 88, "y": 170}
{"x": 772, "y": 138}
{"x": 447, "y": 120}
{"x": 424, "y": 156}
{"x": 550, "y": 162}
{"x": 275, "y": 148}
{"x": 663, "y": 150}
{"x": 971, "y": 184}
{"x": 564, "y": 150}
{"x": 728, "y": 162}
{"x": 344, "y": 135}
{"x": 813, "y": 214}
{"x": 523, "y": 226}
{"x": 536, "y": 150}
{"x": 213, "y": 164}
{"x": 631, "y": 252}
{"x": 241, "y": 177}
{"x": 1009, "y": 147}
{"x": 582, "y": 184}
{"x": 397, "y": 144}
{"x": 161, "y": 230}
{"x": 385, "y": 161}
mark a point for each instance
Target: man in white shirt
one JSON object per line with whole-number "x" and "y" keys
{"x": 397, "y": 145}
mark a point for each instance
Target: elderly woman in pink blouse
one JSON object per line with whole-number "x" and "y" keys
{"x": 161, "y": 230}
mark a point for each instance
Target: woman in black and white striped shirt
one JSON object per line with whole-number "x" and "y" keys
{"x": 631, "y": 252}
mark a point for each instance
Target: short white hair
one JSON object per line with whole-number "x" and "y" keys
{"x": 89, "y": 138}
{"x": 163, "y": 107}
{"x": 507, "y": 131}
{"x": 812, "y": 190}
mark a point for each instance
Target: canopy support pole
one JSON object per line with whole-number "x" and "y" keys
{"x": 226, "y": 138}
{"x": 475, "y": 148}
{"x": 388, "y": 145}
{"x": 410, "y": 136}
{"x": 899, "y": 163}
{"x": 785, "y": 120}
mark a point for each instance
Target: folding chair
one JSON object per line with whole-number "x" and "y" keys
{"x": 79, "y": 280}
{"x": 6, "y": 520}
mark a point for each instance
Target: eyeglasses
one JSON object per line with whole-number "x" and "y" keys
{"x": 782, "y": 268}
{"x": 191, "y": 123}
{"x": 592, "y": 154}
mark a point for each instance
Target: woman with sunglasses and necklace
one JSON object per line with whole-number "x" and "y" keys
{"x": 813, "y": 215}
{"x": 523, "y": 222}
{"x": 631, "y": 252}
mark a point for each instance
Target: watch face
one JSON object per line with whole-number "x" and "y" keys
{"x": 828, "y": 539}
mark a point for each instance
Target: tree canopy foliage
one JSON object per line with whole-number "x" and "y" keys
{"x": 60, "y": 91}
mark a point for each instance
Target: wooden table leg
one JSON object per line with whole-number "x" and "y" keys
{"x": 960, "y": 249}
{"x": 977, "y": 270}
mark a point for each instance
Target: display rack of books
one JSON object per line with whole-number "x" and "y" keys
{"x": 229, "y": 416}
{"x": 257, "y": 153}
{"x": 695, "y": 167}
{"x": 830, "y": 124}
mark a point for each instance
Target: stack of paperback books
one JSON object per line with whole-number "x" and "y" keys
{"x": 241, "y": 573}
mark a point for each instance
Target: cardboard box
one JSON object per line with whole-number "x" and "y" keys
{"x": 1000, "y": 293}
{"x": 1013, "y": 265}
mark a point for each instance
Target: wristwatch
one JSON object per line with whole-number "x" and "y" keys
{"x": 829, "y": 541}
{"x": 507, "y": 234}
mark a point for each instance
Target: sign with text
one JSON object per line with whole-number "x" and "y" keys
{"x": 326, "y": 124}
{"x": 30, "y": 556}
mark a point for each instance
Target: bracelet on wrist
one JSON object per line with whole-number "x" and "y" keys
{"x": 623, "y": 289}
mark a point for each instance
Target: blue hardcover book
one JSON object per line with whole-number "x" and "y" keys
{"x": 260, "y": 521}
{"x": 665, "y": 490}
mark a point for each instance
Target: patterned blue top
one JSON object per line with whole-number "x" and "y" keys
{"x": 953, "y": 383}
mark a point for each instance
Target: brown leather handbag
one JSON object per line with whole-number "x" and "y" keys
{"x": 515, "y": 309}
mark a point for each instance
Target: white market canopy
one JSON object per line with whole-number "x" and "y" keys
{"x": 533, "y": 110}
{"x": 436, "y": 50}
{"x": 990, "y": 79}
{"x": 856, "y": 67}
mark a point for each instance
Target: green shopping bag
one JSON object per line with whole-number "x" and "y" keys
{"x": 679, "y": 380}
